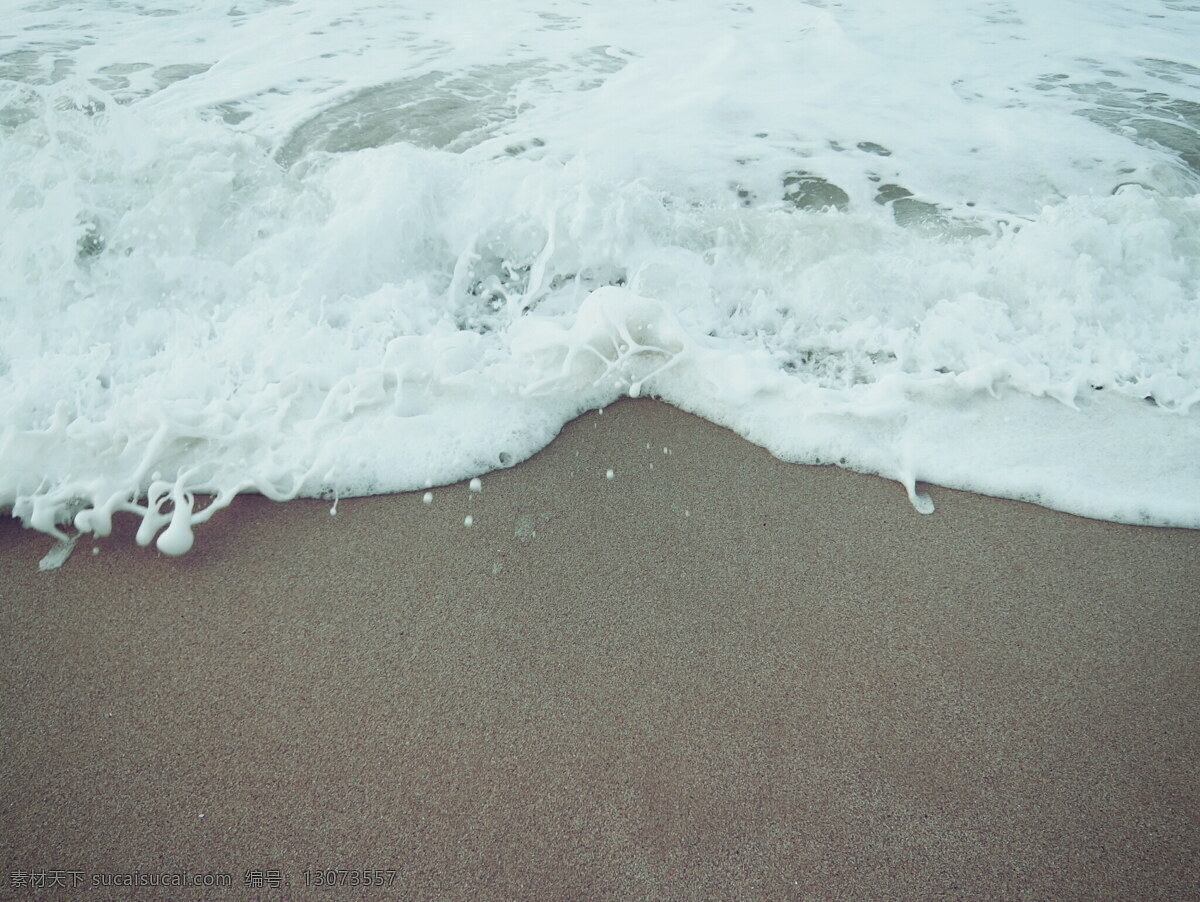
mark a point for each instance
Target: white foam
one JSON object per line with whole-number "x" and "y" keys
{"x": 57, "y": 556}
{"x": 408, "y": 250}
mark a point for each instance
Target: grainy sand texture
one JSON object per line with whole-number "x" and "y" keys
{"x": 714, "y": 676}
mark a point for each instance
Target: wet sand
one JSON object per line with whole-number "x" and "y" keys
{"x": 713, "y": 676}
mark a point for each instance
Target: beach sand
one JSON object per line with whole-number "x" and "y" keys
{"x": 713, "y": 676}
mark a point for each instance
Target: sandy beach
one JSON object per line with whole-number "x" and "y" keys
{"x": 711, "y": 676}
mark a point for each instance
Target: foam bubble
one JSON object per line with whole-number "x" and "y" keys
{"x": 405, "y": 256}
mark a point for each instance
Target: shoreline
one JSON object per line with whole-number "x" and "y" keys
{"x": 714, "y": 675}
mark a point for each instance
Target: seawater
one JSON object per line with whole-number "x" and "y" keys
{"x": 336, "y": 247}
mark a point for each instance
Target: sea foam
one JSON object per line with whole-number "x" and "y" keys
{"x": 331, "y": 249}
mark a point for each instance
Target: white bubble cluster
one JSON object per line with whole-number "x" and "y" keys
{"x": 399, "y": 256}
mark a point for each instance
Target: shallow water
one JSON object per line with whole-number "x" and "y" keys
{"x": 340, "y": 248}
